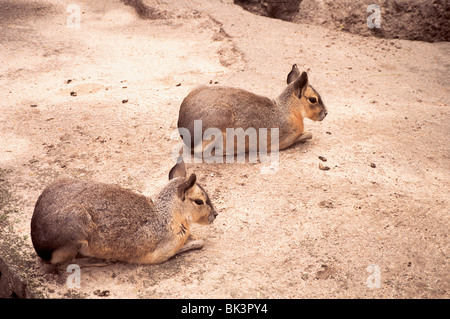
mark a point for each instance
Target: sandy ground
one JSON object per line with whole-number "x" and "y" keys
{"x": 298, "y": 233}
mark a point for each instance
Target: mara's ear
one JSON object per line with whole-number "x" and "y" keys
{"x": 301, "y": 84}
{"x": 179, "y": 170}
{"x": 184, "y": 187}
{"x": 293, "y": 75}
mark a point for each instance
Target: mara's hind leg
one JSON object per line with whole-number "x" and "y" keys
{"x": 72, "y": 240}
{"x": 73, "y": 254}
{"x": 63, "y": 256}
{"x": 86, "y": 262}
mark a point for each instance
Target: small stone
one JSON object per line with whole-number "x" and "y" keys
{"x": 73, "y": 93}
{"x": 372, "y": 165}
{"x": 326, "y": 204}
{"x": 323, "y": 158}
{"x": 124, "y": 101}
{"x": 325, "y": 272}
{"x": 103, "y": 293}
{"x": 323, "y": 168}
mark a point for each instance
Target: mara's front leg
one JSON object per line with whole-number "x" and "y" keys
{"x": 193, "y": 242}
{"x": 294, "y": 138}
{"x": 171, "y": 248}
{"x": 303, "y": 137}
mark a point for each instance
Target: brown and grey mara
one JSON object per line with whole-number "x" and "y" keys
{"x": 88, "y": 219}
{"x": 228, "y": 107}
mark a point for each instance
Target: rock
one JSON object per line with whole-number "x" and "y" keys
{"x": 325, "y": 272}
{"x": 283, "y": 10}
{"x": 326, "y": 204}
{"x": 147, "y": 12}
{"x": 102, "y": 293}
{"x": 323, "y": 168}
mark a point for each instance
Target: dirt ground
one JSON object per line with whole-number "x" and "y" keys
{"x": 399, "y": 19}
{"x": 422, "y": 20}
{"x": 301, "y": 232}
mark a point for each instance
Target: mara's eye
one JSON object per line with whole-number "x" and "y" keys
{"x": 312, "y": 100}
{"x": 198, "y": 201}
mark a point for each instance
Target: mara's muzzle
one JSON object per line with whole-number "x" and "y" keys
{"x": 322, "y": 114}
{"x": 212, "y": 216}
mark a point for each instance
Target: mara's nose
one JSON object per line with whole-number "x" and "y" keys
{"x": 212, "y": 216}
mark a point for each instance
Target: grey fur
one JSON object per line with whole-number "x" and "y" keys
{"x": 109, "y": 222}
{"x": 227, "y": 107}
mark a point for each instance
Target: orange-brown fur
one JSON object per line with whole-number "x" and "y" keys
{"x": 108, "y": 222}
{"x": 227, "y": 107}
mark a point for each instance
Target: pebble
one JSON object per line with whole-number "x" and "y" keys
{"x": 103, "y": 293}
{"x": 326, "y": 204}
{"x": 323, "y": 168}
